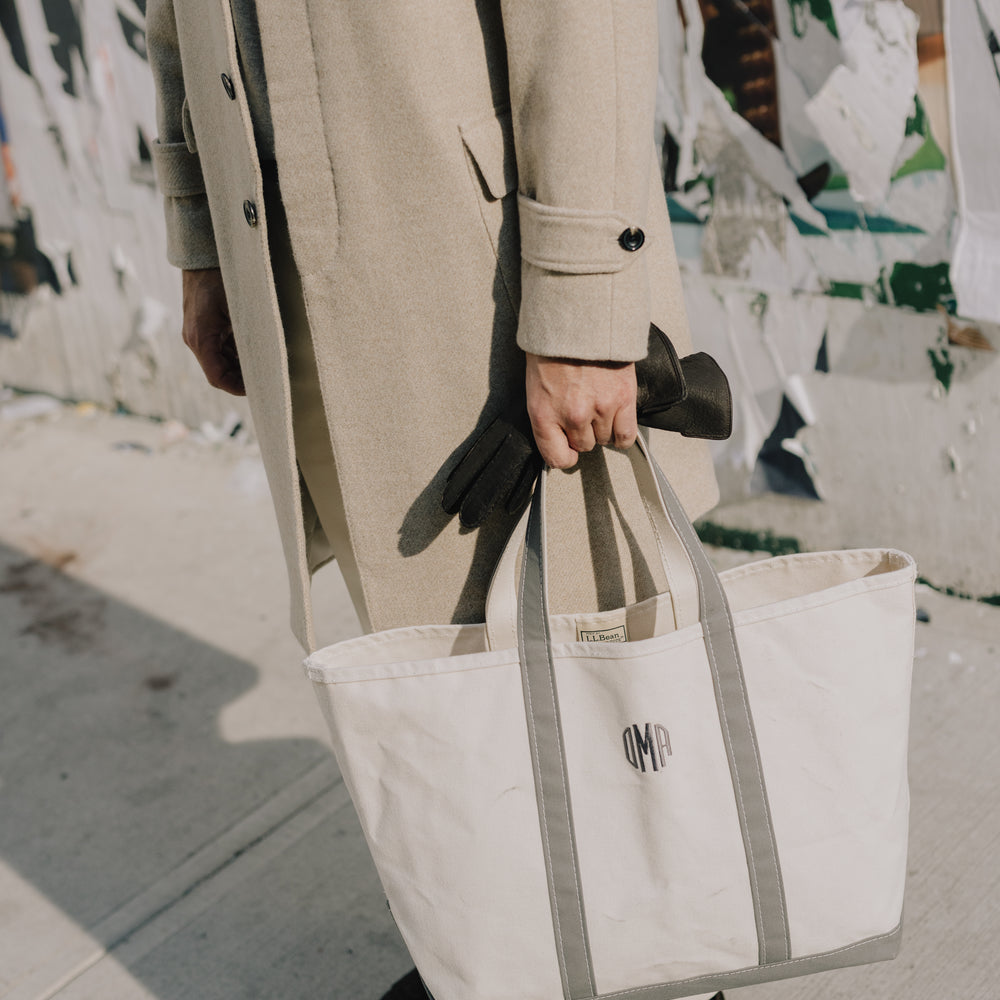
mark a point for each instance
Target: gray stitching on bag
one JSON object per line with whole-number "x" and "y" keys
{"x": 757, "y": 766}
{"x": 536, "y": 767}
{"x": 684, "y": 531}
{"x": 554, "y": 896}
{"x": 802, "y": 960}
{"x": 710, "y": 648}
{"x": 758, "y": 913}
{"x": 548, "y": 845}
{"x": 760, "y": 782}
{"x": 569, "y": 820}
{"x": 562, "y": 758}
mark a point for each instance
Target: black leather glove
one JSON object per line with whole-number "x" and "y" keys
{"x": 706, "y": 411}
{"x": 502, "y": 465}
{"x": 659, "y": 376}
{"x": 689, "y": 396}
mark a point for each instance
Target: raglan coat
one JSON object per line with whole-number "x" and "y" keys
{"x": 456, "y": 175}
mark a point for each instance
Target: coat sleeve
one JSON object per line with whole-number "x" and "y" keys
{"x": 190, "y": 237}
{"x": 583, "y": 87}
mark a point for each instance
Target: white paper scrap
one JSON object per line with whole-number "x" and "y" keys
{"x": 861, "y": 110}
{"x": 972, "y": 30}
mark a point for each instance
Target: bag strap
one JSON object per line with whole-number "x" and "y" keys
{"x": 501, "y": 601}
{"x": 541, "y": 699}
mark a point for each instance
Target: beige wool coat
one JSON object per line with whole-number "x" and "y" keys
{"x": 457, "y": 176}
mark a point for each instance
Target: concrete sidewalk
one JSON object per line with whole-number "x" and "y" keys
{"x": 172, "y": 825}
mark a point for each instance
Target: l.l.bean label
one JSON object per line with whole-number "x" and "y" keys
{"x": 617, "y": 634}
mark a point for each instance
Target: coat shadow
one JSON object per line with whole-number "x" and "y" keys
{"x": 114, "y": 774}
{"x": 426, "y": 519}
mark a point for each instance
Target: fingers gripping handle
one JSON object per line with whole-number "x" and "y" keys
{"x": 502, "y": 600}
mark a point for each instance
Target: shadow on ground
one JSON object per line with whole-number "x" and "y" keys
{"x": 114, "y": 775}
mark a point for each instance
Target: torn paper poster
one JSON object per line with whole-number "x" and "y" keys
{"x": 798, "y": 200}
{"x": 973, "y": 46}
{"x": 82, "y": 264}
{"x": 746, "y": 213}
{"x": 784, "y": 211}
{"x": 807, "y": 50}
{"x": 670, "y": 109}
{"x": 862, "y": 108}
{"x": 708, "y": 122}
{"x": 933, "y": 85}
{"x": 765, "y": 343}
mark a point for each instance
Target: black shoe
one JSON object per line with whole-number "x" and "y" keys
{"x": 410, "y": 987}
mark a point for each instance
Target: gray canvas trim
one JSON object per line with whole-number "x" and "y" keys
{"x": 548, "y": 755}
{"x": 549, "y": 764}
{"x": 770, "y": 912}
{"x": 880, "y": 948}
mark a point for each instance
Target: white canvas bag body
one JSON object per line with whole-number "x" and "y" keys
{"x": 719, "y": 800}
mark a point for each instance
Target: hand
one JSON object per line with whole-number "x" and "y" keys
{"x": 575, "y": 405}
{"x": 208, "y": 331}
{"x": 689, "y": 396}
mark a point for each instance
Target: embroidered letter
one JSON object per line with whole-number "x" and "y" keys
{"x": 630, "y": 748}
{"x": 663, "y": 744}
{"x": 653, "y": 740}
{"x": 644, "y": 745}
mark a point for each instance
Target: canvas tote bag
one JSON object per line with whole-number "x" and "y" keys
{"x": 703, "y": 790}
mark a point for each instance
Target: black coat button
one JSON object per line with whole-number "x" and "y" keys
{"x": 632, "y": 239}
{"x": 250, "y": 213}
{"x": 227, "y": 84}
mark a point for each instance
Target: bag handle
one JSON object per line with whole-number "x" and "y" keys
{"x": 501, "y": 601}
{"x": 541, "y": 699}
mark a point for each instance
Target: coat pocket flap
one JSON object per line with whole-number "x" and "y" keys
{"x": 490, "y": 142}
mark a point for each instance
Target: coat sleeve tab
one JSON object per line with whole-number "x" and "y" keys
{"x": 178, "y": 170}
{"x": 575, "y": 240}
{"x": 190, "y": 235}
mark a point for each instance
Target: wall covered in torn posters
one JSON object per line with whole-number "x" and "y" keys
{"x": 836, "y": 211}
{"x": 89, "y": 309}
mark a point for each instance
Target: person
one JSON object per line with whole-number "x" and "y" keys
{"x": 392, "y": 216}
